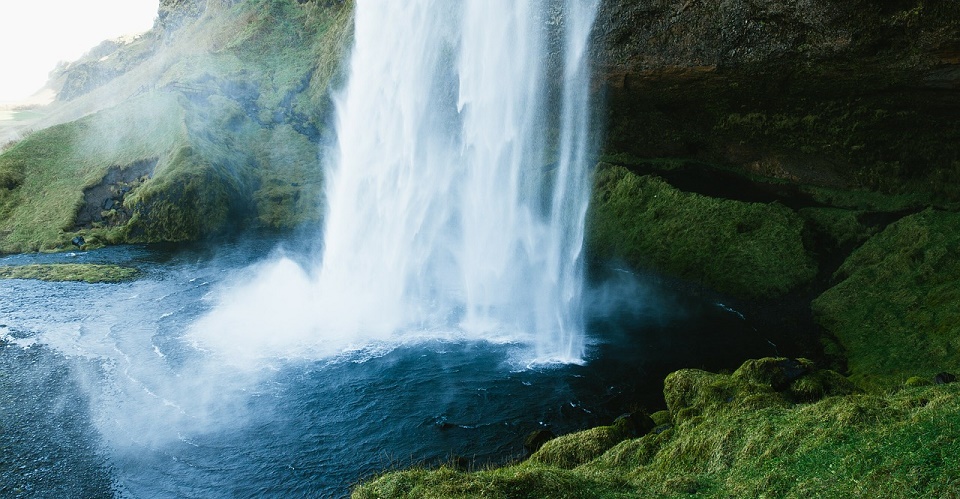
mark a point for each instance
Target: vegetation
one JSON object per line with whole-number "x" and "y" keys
{"x": 748, "y": 249}
{"x": 895, "y": 310}
{"x": 45, "y": 174}
{"x": 775, "y": 427}
{"x": 59, "y": 272}
{"x": 230, "y": 108}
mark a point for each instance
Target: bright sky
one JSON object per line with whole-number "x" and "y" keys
{"x": 36, "y": 35}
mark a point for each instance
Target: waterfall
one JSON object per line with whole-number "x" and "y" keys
{"x": 442, "y": 209}
{"x": 456, "y": 198}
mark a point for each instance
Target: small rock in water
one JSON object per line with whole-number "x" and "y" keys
{"x": 78, "y": 241}
{"x": 944, "y": 378}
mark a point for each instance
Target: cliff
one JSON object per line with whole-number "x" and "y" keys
{"x": 209, "y": 123}
{"x": 859, "y": 94}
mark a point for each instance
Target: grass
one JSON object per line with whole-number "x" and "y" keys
{"x": 895, "y": 308}
{"x": 738, "y": 435}
{"x": 44, "y": 175}
{"x": 232, "y": 106}
{"x": 747, "y": 249}
{"x": 80, "y": 272}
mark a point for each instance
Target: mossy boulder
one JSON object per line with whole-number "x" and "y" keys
{"x": 895, "y": 308}
{"x": 570, "y": 451}
{"x": 746, "y": 249}
{"x": 757, "y": 384}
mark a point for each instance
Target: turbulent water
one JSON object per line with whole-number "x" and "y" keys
{"x": 457, "y": 192}
{"x": 103, "y": 392}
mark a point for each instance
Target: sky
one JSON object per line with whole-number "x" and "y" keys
{"x": 36, "y": 35}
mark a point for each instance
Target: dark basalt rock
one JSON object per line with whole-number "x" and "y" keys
{"x": 944, "y": 378}
{"x": 78, "y": 241}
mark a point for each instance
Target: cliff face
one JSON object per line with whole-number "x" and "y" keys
{"x": 856, "y": 94}
{"x": 767, "y": 36}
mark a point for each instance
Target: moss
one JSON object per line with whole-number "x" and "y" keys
{"x": 660, "y": 417}
{"x": 917, "y": 381}
{"x": 901, "y": 444}
{"x": 864, "y": 200}
{"x": 692, "y": 394}
{"x": 570, "y": 451}
{"x": 524, "y": 481}
{"x": 290, "y": 186}
{"x": 748, "y": 249}
{"x": 895, "y": 309}
{"x": 58, "y": 163}
{"x": 233, "y": 104}
{"x": 841, "y": 226}
{"x": 89, "y": 273}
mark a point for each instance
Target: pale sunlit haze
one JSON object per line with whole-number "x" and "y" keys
{"x": 35, "y": 36}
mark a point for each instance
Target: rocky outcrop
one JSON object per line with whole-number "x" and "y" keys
{"x": 766, "y": 36}
{"x": 850, "y": 94}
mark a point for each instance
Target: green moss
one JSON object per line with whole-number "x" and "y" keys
{"x": 917, "y": 381}
{"x": 523, "y": 481}
{"x": 89, "y": 273}
{"x": 904, "y": 444}
{"x": 864, "y": 200}
{"x": 842, "y": 227}
{"x": 55, "y": 165}
{"x": 232, "y": 107}
{"x": 290, "y": 186}
{"x": 748, "y": 249}
{"x": 570, "y": 451}
{"x": 895, "y": 309}
{"x": 182, "y": 206}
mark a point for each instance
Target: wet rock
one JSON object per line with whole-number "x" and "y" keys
{"x": 944, "y": 378}
{"x": 536, "y": 439}
{"x": 78, "y": 241}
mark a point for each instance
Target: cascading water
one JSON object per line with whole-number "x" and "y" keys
{"x": 457, "y": 196}
{"x": 436, "y": 205}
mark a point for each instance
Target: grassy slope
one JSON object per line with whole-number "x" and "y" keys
{"x": 748, "y": 249}
{"x": 895, "y": 310}
{"x": 232, "y": 106}
{"x": 736, "y": 436}
{"x": 53, "y": 166}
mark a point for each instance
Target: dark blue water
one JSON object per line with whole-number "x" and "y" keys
{"x": 101, "y": 395}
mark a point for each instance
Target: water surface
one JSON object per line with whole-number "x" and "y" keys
{"x": 103, "y": 393}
